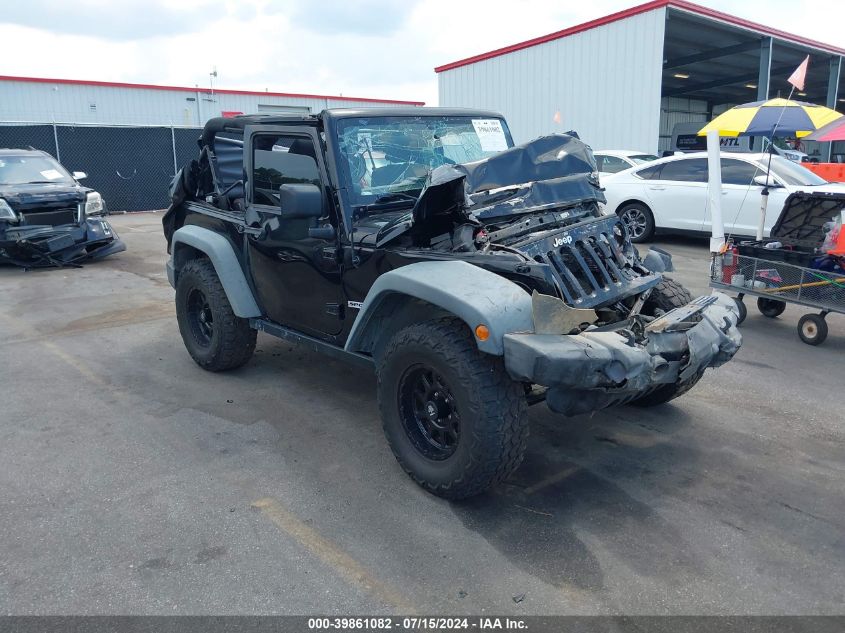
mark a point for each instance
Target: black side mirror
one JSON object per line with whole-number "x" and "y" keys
{"x": 300, "y": 201}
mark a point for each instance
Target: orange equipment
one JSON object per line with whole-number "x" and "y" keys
{"x": 838, "y": 239}
{"x": 832, "y": 172}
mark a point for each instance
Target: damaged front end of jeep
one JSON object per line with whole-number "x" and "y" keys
{"x": 586, "y": 367}
{"x": 531, "y": 214}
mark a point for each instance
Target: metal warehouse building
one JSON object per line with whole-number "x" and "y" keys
{"x": 106, "y": 103}
{"x": 624, "y": 81}
{"x": 130, "y": 138}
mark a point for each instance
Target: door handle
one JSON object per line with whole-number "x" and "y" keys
{"x": 657, "y": 187}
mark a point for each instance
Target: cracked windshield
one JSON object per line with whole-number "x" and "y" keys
{"x": 389, "y": 158}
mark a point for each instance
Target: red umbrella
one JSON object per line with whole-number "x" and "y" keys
{"x": 833, "y": 131}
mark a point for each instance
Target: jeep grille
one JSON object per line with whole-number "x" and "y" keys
{"x": 589, "y": 262}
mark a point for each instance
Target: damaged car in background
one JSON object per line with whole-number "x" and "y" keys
{"x": 474, "y": 276}
{"x": 46, "y": 217}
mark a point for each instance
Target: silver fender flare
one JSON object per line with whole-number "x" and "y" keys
{"x": 474, "y": 295}
{"x": 218, "y": 249}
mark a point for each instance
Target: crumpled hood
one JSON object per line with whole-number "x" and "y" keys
{"x": 31, "y": 195}
{"x": 551, "y": 171}
{"x": 552, "y": 157}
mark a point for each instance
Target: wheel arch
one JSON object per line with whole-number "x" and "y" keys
{"x": 191, "y": 242}
{"x": 634, "y": 201}
{"x": 427, "y": 290}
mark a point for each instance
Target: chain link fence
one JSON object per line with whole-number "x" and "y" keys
{"x": 130, "y": 166}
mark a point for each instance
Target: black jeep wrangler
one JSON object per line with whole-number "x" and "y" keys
{"x": 475, "y": 277}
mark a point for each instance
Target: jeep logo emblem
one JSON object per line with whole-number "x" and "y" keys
{"x": 560, "y": 241}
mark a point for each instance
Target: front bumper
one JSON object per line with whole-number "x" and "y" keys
{"x": 596, "y": 369}
{"x": 34, "y": 246}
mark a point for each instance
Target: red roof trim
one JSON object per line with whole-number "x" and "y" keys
{"x": 637, "y": 10}
{"x": 117, "y": 84}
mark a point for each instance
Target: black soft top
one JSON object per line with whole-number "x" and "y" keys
{"x": 236, "y": 124}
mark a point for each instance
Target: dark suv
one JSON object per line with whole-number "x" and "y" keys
{"x": 46, "y": 217}
{"x": 475, "y": 277}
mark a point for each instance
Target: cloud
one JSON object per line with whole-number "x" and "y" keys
{"x": 364, "y": 48}
{"x": 109, "y": 20}
{"x": 366, "y": 18}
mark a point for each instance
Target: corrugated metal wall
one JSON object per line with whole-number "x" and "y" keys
{"x": 679, "y": 110}
{"x": 605, "y": 82}
{"x": 82, "y": 103}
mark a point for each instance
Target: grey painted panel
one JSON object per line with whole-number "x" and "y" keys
{"x": 473, "y": 294}
{"x": 228, "y": 268}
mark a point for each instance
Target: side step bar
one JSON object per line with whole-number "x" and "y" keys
{"x": 280, "y": 331}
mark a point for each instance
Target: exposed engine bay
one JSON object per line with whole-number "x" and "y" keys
{"x": 535, "y": 206}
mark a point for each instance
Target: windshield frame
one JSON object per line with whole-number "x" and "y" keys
{"x": 66, "y": 179}
{"x": 334, "y": 126}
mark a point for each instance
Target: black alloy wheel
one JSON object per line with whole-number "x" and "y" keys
{"x": 200, "y": 317}
{"x": 429, "y": 412}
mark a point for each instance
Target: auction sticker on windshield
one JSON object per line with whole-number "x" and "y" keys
{"x": 51, "y": 174}
{"x": 490, "y": 135}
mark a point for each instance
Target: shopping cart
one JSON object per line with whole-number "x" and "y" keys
{"x": 789, "y": 267}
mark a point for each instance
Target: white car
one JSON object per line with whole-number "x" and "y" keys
{"x": 670, "y": 194}
{"x": 612, "y": 161}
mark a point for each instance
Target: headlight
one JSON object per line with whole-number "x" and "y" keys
{"x": 7, "y": 212}
{"x": 94, "y": 204}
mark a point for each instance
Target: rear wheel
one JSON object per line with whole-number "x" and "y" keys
{"x": 742, "y": 311}
{"x": 214, "y": 336}
{"x": 771, "y": 308}
{"x": 666, "y": 296}
{"x": 454, "y": 419}
{"x": 639, "y": 221}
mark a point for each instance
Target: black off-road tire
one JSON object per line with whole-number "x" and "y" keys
{"x": 667, "y": 295}
{"x": 491, "y": 408}
{"x": 667, "y": 392}
{"x": 227, "y": 342}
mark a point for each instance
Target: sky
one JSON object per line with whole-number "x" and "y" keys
{"x": 361, "y": 48}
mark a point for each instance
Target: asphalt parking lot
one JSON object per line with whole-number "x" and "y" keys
{"x": 131, "y": 481}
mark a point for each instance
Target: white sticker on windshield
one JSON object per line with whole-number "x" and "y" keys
{"x": 51, "y": 174}
{"x": 490, "y": 135}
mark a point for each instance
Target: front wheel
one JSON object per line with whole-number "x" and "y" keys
{"x": 454, "y": 419}
{"x": 214, "y": 336}
{"x": 666, "y": 296}
{"x": 639, "y": 221}
{"x": 812, "y": 329}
